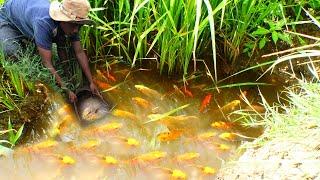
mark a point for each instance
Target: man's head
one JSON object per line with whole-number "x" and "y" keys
{"x": 70, "y": 11}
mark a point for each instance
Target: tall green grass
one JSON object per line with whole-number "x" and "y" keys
{"x": 179, "y": 33}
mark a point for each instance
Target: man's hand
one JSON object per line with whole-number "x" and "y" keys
{"x": 94, "y": 89}
{"x": 72, "y": 96}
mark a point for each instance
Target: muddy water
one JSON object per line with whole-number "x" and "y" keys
{"x": 157, "y": 130}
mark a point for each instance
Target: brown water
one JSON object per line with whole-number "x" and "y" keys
{"x": 126, "y": 145}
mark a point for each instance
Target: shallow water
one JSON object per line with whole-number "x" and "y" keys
{"x": 130, "y": 143}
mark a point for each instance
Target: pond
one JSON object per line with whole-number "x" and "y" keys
{"x": 157, "y": 129}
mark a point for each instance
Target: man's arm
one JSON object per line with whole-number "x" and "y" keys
{"x": 46, "y": 56}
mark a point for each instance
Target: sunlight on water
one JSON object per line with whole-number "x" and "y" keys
{"x": 144, "y": 137}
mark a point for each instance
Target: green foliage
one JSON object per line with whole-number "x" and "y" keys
{"x": 12, "y": 135}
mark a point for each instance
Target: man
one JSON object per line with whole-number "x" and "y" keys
{"x": 46, "y": 23}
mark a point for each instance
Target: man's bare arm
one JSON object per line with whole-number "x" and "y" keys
{"x": 46, "y": 56}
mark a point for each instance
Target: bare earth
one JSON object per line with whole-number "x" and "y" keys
{"x": 278, "y": 159}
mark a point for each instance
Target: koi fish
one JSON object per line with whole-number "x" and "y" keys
{"x": 187, "y": 92}
{"x": 182, "y": 123}
{"x": 45, "y": 145}
{"x": 100, "y": 75}
{"x": 221, "y": 125}
{"x": 102, "y": 130}
{"x": 147, "y": 91}
{"x": 188, "y": 156}
{"x": 65, "y": 109}
{"x": 233, "y": 105}
{"x": 169, "y": 136}
{"x": 109, "y": 160}
{"x": 207, "y": 170}
{"x": 91, "y": 144}
{"x": 206, "y": 136}
{"x": 128, "y": 141}
{"x": 151, "y": 156}
{"x": 142, "y": 102}
{"x": 67, "y": 160}
{"x": 124, "y": 114}
{"x": 205, "y": 102}
{"x": 110, "y": 76}
{"x": 227, "y": 136}
{"x": 101, "y": 84}
{"x": 223, "y": 147}
{"x": 175, "y": 174}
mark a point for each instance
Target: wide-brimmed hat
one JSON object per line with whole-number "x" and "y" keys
{"x": 75, "y": 11}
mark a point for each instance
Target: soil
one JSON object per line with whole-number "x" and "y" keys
{"x": 278, "y": 159}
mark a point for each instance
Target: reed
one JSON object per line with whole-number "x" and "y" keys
{"x": 177, "y": 34}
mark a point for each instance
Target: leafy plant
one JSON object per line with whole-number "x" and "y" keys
{"x": 13, "y": 134}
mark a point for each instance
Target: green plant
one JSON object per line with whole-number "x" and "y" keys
{"x": 13, "y": 135}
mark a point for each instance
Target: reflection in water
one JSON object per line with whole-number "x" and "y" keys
{"x": 186, "y": 143}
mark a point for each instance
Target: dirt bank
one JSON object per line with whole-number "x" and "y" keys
{"x": 278, "y": 159}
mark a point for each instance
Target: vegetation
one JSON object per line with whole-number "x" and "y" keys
{"x": 177, "y": 33}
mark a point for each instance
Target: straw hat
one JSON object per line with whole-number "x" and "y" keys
{"x": 75, "y": 11}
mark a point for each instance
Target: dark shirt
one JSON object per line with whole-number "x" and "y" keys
{"x": 32, "y": 18}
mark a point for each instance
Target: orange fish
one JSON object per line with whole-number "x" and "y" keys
{"x": 108, "y": 75}
{"x": 101, "y": 84}
{"x": 187, "y": 92}
{"x": 221, "y": 125}
{"x": 169, "y": 136}
{"x": 141, "y": 102}
{"x": 124, "y": 114}
{"x": 205, "y": 102}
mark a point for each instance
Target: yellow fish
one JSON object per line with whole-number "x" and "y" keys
{"x": 151, "y": 156}
{"x": 223, "y": 147}
{"x": 183, "y": 123}
{"x": 124, "y": 114}
{"x": 44, "y": 145}
{"x": 178, "y": 174}
{"x": 148, "y": 91}
{"x": 65, "y": 109}
{"x": 206, "y": 136}
{"x": 221, "y": 125}
{"x": 188, "y": 156}
{"x": 175, "y": 174}
{"x": 67, "y": 160}
{"x": 169, "y": 136}
{"x": 110, "y": 160}
{"x": 227, "y": 136}
{"x": 207, "y": 170}
{"x": 91, "y": 144}
{"x": 230, "y": 107}
{"x": 142, "y": 102}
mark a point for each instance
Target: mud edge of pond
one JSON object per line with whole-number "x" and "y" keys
{"x": 278, "y": 159}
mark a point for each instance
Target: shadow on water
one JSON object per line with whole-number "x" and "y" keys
{"x": 159, "y": 129}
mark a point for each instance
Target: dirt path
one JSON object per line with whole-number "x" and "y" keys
{"x": 278, "y": 159}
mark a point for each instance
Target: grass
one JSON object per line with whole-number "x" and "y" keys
{"x": 177, "y": 34}
{"x": 292, "y": 120}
